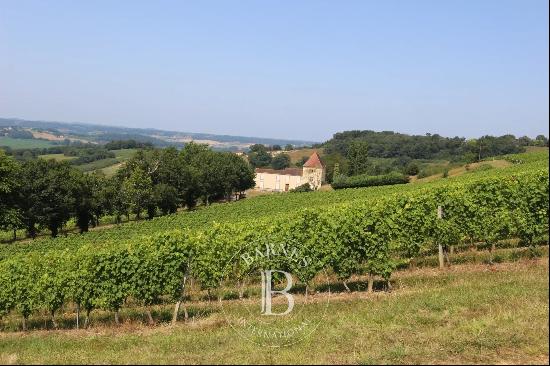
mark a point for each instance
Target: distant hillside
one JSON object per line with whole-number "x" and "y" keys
{"x": 389, "y": 144}
{"x": 104, "y": 134}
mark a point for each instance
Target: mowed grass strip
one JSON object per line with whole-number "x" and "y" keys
{"x": 466, "y": 314}
{"x": 24, "y": 143}
{"x": 57, "y": 157}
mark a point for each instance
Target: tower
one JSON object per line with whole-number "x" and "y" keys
{"x": 314, "y": 171}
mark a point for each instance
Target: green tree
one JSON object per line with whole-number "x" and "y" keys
{"x": 138, "y": 189}
{"x": 47, "y": 195}
{"x": 87, "y": 198}
{"x": 280, "y": 161}
{"x": 165, "y": 198}
{"x": 300, "y": 163}
{"x": 357, "y": 155}
{"x": 239, "y": 175}
{"x": 260, "y": 159}
{"x": 541, "y": 140}
{"x": 10, "y": 216}
{"x": 190, "y": 186}
{"x": 336, "y": 165}
{"x": 412, "y": 169}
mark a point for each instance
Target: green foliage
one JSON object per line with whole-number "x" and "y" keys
{"x": 388, "y": 144}
{"x": 357, "y": 155}
{"x": 137, "y": 190}
{"x": 259, "y": 157}
{"x": 165, "y": 197}
{"x": 46, "y": 195}
{"x": 302, "y": 188}
{"x": 10, "y": 218}
{"x": 280, "y": 161}
{"x": 369, "y": 180}
{"x": 356, "y": 231}
{"x": 412, "y": 169}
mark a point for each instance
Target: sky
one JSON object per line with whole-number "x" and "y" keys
{"x": 283, "y": 69}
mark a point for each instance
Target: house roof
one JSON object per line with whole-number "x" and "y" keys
{"x": 314, "y": 161}
{"x": 287, "y": 171}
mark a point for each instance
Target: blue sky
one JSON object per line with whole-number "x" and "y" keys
{"x": 285, "y": 69}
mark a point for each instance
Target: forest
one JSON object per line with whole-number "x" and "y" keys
{"x": 43, "y": 194}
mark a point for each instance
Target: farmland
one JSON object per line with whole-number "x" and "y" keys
{"x": 362, "y": 235}
{"x": 270, "y": 206}
{"x": 24, "y": 143}
{"x": 319, "y": 182}
{"x": 57, "y": 157}
{"x": 109, "y": 166}
{"x": 468, "y": 314}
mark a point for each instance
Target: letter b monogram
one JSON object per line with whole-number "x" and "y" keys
{"x": 267, "y": 293}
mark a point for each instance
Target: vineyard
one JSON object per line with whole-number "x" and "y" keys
{"x": 354, "y": 231}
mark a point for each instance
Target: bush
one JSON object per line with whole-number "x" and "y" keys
{"x": 303, "y": 188}
{"x": 369, "y": 180}
{"x": 412, "y": 169}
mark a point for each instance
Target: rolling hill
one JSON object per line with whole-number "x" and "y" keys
{"x": 51, "y": 131}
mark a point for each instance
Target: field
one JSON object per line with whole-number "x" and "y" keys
{"x": 480, "y": 309}
{"x": 111, "y": 165}
{"x": 268, "y": 207}
{"x": 98, "y": 164}
{"x": 57, "y": 157}
{"x": 459, "y": 170}
{"x": 467, "y": 314}
{"x": 124, "y": 154}
{"x": 297, "y": 155}
{"x": 24, "y": 143}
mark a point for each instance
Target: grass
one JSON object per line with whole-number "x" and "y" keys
{"x": 455, "y": 171}
{"x": 124, "y": 154}
{"x": 297, "y": 155}
{"x": 466, "y": 314}
{"x": 531, "y": 149}
{"x": 24, "y": 143}
{"x": 111, "y": 169}
{"x": 57, "y": 157}
{"x": 98, "y": 164}
{"x": 110, "y": 166}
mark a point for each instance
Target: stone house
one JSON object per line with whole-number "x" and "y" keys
{"x": 313, "y": 172}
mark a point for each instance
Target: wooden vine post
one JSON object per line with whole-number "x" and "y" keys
{"x": 441, "y": 254}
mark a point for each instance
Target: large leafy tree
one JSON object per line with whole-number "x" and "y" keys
{"x": 280, "y": 161}
{"x": 236, "y": 174}
{"x": 10, "y": 216}
{"x": 112, "y": 199}
{"x": 165, "y": 197}
{"x": 47, "y": 195}
{"x": 87, "y": 196}
{"x": 259, "y": 156}
{"x": 358, "y": 162}
{"x": 138, "y": 190}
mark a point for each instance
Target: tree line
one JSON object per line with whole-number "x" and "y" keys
{"x": 260, "y": 156}
{"x": 381, "y": 153}
{"x": 45, "y": 194}
{"x": 389, "y": 144}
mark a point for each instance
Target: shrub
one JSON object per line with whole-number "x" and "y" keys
{"x": 412, "y": 169}
{"x": 369, "y": 180}
{"x": 303, "y": 188}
